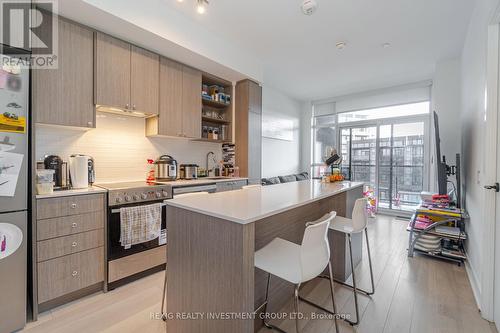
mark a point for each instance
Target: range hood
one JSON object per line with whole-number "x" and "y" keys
{"x": 123, "y": 112}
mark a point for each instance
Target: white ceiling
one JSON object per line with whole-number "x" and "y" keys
{"x": 298, "y": 52}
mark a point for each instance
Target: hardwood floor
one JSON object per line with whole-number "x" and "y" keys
{"x": 412, "y": 295}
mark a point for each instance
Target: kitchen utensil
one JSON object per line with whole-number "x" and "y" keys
{"x": 166, "y": 168}
{"x": 55, "y": 163}
{"x": 189, "y": 171}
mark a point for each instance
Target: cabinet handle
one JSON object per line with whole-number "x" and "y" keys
{"x": 133, "y": 106}
{"x": 127, "y": 106}
{"x": 74, "y": 244}
{"x": 73, "y": 205}
{"x": 89, "y": 124}
{"x": 74, "y": 273}
{"x": 74, "y": 225}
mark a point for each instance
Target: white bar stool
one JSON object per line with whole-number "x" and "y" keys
{"x": 356, "y": 225}
{"x": 163, "y": 315}
{"x": 298, "y": 263}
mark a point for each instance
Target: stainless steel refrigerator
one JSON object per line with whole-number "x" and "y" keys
{"x": 14, "y": 182}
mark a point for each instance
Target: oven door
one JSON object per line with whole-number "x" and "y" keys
{"x": 115, "y": 249}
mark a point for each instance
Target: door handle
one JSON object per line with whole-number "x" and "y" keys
{"x": 495, "y": 187}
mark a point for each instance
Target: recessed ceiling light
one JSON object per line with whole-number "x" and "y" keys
{"x": 341, "y": 45}
{"x": 180, "y": 0}
{"x": 309, "y": 7}
{"x": 386, "y": 45}
{"x": 201, "y": 6}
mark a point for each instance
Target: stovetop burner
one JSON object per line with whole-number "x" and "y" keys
{"x": 124, "y": 193}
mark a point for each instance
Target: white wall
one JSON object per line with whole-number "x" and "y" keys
{"x": 119, "y": 147}
{"x": 281, "y": 157}
{"x": 473, "y": 73}
{"x": 305, "y": 136}
{"x": 446, "y": 101}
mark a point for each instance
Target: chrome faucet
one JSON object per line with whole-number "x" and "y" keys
{"x": 213, "y": 158}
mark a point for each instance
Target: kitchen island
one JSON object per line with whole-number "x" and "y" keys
{"x": 212, "y": 283}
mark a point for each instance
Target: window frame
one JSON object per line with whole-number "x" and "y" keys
{"x": 425, "y": 118}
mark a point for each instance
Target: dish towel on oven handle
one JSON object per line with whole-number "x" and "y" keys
{"x": 139, "y": 224}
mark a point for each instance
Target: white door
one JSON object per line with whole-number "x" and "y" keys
{"x": 490, "y": 273}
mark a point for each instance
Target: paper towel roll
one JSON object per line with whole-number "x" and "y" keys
{"x": 79, "y": 171}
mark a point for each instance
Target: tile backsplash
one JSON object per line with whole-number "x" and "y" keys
{"x": 119, "y": 147}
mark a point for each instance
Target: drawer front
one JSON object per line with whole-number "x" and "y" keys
{"x": 61, "y": 246}
{"x": 58, "y": 277}
{"x": 239, "y": 184}
{"x": 224, "y": 186}
{"x": 66, "y": 206}
{"x": 69, "y": 225}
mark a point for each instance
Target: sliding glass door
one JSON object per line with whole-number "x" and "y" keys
{"x": 359, "y": 153}
{"x": 401, "y": 163}
{"x": 390, "y": 157}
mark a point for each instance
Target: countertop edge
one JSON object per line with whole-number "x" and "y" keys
{"x": 263, "y": 216}
{"x": 70, "y": 193}
{"x": 199, "y": 181}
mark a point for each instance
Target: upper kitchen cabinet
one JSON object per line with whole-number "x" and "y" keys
{"x": 64, "y": 96}
{"x": 180, "y": 104}
{"x": 191, "y": 102}
{"x": 126, "y": 76}
{"x": 112, "y": 72}
{"x": 145, "y": 73}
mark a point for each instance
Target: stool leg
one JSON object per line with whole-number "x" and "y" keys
{"x": 296, "y": 306}
{"x": 163, "y": 315}
{"x": 355, "y": 291}
{"x": 265, "y": 319}
{"x": 332, "y": 289}
{"x": 267, "y": 301}
{"x": 369, "y": 260}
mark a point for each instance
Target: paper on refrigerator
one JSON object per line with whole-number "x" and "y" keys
{"x": 10, "y": 167}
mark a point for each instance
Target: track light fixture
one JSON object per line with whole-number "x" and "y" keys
{"x": 201, "y": 6}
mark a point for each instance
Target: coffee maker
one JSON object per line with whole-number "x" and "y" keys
{"x": 56, "y": 163}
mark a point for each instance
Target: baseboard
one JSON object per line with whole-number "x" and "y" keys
{"x": 476, "y": 290}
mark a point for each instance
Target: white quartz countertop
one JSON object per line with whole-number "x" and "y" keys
{"x": 252, "y": 204}
{"x": 67, "y": 193}
{"x": 200, "y": 181}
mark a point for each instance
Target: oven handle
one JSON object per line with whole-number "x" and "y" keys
{"x": 114, "y": 211}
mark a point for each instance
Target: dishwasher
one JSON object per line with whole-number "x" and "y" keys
{"x": 210, "y": 188}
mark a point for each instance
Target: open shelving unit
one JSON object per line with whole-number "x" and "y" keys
{"x": 445, "y": 219}
{"x": 216, "y": 115}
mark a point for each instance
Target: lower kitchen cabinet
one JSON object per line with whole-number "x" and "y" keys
{"x": 69, "y": 248}
{"x": 60, "y": 276}
{"x": 231, "y": 185}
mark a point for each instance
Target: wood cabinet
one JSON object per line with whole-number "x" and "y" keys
{"x": 191, "y": 102}
{"x": 248, "y": 128}
{"x": 230, "y": 186}
{"x": 145, "y": 76}
{"x": 67, "y": 274}
{"x": 69, "y": 247}
{"x": 71, "y": 205}
{"x": 64, "y": 96}
{"x": 169, "y": 122}
{"x": 180, "y": 102}
{"x": 112, "y": 72}
{"x": 126, "y": 76}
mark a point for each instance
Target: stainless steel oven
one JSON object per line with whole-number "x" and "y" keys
{"x": 115, "y": 249}
{"x": 128, "y": 264}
